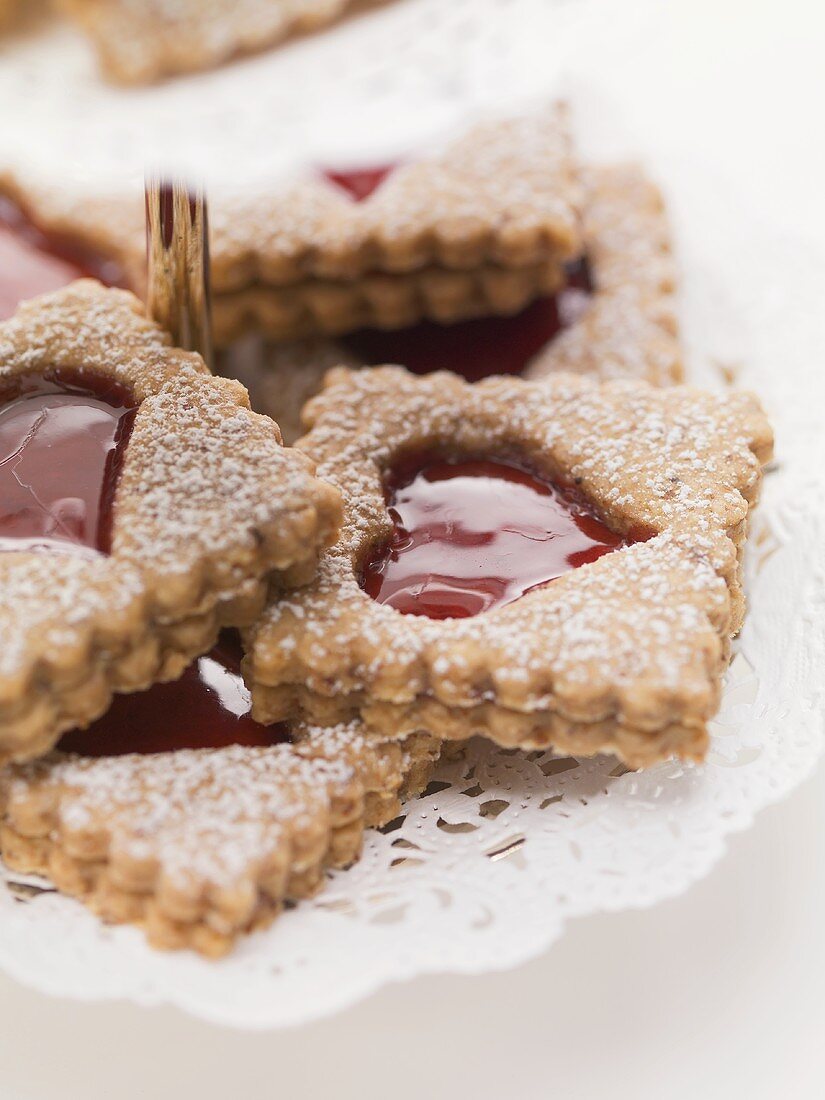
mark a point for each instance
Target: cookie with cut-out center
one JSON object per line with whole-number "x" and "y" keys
{"x": 542, "y": 563}
{"x": 481, "y": 226}
{"x": 615, "y": 317}
{"x": 138, "y": 41}
{"x": 200, "y": 845}
{"x": 143, "y": 505}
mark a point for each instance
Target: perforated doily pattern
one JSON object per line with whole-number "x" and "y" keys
{"x": 485, "y": 870}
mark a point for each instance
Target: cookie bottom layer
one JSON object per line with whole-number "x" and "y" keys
{"x": 201, "y": 847}
{"x": 329, "y": 307}
{"x": 634, "y": 746}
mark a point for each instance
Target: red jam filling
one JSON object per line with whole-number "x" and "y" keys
{"x": 207, "y": 708}
{"x": 33, "y": 262}
{"x": 63, "y": 439}
{"x": 474, "y": 349}
{"x": 359, "y": 183}
{"x": 478, "y": 348}
{"x": 473, "y": 535}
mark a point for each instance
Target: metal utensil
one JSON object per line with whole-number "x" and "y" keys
{"x": 177, "y": 248}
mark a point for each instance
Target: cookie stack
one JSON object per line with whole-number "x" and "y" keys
{"x": 547, "y": 557}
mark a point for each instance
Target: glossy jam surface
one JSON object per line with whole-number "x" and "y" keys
{"x": 208, "y": 708}
{"x": 62, "y": 442}
{"x": 359, "y": 183}
{"x": 472, "y": 535}
{"x": 476, "y": 349}
{"x": 33, "y": 262}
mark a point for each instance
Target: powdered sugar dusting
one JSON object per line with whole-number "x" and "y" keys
{"x": 214, "y": 816}
{"x": 504, "y": 193}
{"x": 208, "y": 500}
{"x": 629, "y": 329}
{"x": 206, "y": 477}
{"x": 645, "y": 623}
{"x": 53, "y": 602}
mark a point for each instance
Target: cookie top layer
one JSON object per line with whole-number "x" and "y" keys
{"x": 506, "y": 193}
{"x": 208, "y": 503}
{"x": 638, "y": 636}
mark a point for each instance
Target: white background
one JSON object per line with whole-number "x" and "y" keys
{"x": 716, "y": 995}
{"x": 719, "y": 993}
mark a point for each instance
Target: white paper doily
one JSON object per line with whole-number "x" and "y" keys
{"x": 484, "y": 871}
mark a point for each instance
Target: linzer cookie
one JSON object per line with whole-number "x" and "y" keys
{"x": 483, "y": 226}
{"x": 550, "y": 563}
{"x": 628, "y": 327}
{"x": 139, "y": 41}
{"x": 614, "y": 317}
{"x": 179, "y": 813}
{"x": 611, "y": 315}
{"x": 142, "y": 506}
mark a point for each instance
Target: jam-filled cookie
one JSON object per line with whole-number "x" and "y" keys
{"x": 138, "y": 41}
{"x": 615, "y": 317}
{"x": 142, "y": 507}
{"x": 177, "y": 812}
{"x": 484, "y": 226}
{"x": 542, "y": 563}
